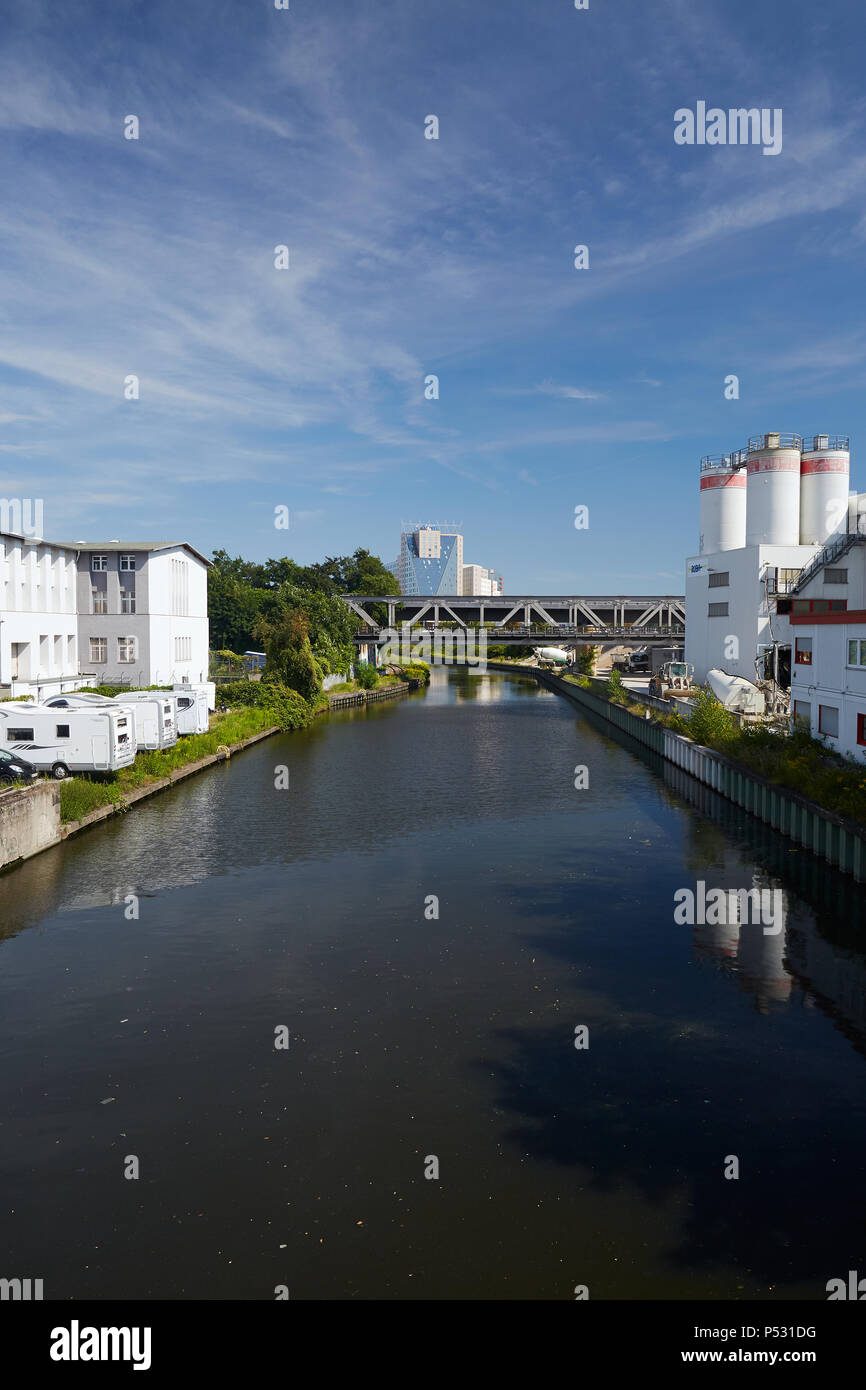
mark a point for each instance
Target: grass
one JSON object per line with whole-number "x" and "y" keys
{"x": 79, "y": 795}
{"x": 351, "y": 687}
{"x": 793, "y": 760}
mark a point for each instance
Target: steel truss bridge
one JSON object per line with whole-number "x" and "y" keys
{"x": 614, "y": 620}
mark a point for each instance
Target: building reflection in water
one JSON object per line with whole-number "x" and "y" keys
{"x": 820, "y": 953}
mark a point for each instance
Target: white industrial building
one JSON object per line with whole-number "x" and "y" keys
{"x": 766, "y": 512}
{"x": 38, "y": 617}
{"x": 142, "y": 612}
{"x": 74, "y": 614}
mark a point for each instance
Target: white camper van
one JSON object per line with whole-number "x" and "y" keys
{"x": 164, "y": 706}
{"x": 209, "y": 688}
{"x": 66, "y": 741}
{"x": 192, "y": 707}
{"x": 154, "y": 714}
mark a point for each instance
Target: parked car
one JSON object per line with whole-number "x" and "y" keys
{"x": 15, "y": 769}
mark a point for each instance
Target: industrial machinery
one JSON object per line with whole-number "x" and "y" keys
{"x": 673, "y": 675}
{"x": 754, "y": 700}
{"x": 551, "y": 656}
{"x": 638, "y": 662}
{"x": 735, "y": 693}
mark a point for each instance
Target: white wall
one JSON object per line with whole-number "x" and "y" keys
{"x": 831, "y": 682}
{"x": 38, "y": 613}
{"x": 708, "y": 640}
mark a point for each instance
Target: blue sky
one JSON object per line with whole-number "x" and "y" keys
{"x": 305, "y": 388}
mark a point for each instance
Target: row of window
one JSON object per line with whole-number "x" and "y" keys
{"x": 803, "y": 651}
{"x": 828, "y": 720}
{"x": 100, "y": 601}
{"x": 99, "y": 563}
{"x": 29, "y": 735}
{"x": 780, "y": 579}
{"x": 812, "y": 605}
{"x": 127, "y": 648}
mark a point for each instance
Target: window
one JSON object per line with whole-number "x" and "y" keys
{"x": 828, "y": 720}
{"x": 803, "y": 713}
{"x": 861, "y": 728}
{"x": 819, "y": 605}
{"x": 125, "y": 650}
{"x": 99, "y": 562}
{"x": 183, "y": 649}
{"x": 62, "y": 730}
{"x": 99, "y": 650}
{"x": 835, "y": 576}
{"x": 856, "y": 652}
{"x": 720, "y": 579}
{"x": 180, "y": 588}
{"x": 20, "y": 736}
{"x": 127, "y": 601}
{"x": 717, "y": 610}
{"x": 803, "y": 651}
{"x": 100, "y": 600}
{"x": 127, "y": 562}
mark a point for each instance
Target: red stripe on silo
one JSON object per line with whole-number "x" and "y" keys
{"x": 773, "y": 465}
{"x": 824, "y": 466}
{"x": 733, "y": 480}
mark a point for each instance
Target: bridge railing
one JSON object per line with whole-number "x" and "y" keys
{"x": 534, "y": 633}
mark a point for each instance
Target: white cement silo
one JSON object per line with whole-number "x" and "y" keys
{"x": 723, "y": 505}
{"x": 825, "y": 465}
{"x": 773, "y": 490}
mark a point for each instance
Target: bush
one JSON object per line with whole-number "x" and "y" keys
{"x": 289, "y": 709}
{"x": 585, "y": 660}
{"x": 417, "y": 671}
{"x": 614, "y": 688}
{"x": 367, "y": 676}
{"x": 709, "y": 723}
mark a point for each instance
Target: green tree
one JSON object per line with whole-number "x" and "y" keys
{"x": 234, "y": 607}
{"x": 286, "y": 642}
{"x": 359, "y": 573}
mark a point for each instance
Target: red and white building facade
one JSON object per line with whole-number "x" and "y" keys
{"x": 827, "y": 626}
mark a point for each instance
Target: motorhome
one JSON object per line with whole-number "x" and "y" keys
{"x": 65, "y": 741}
{"x": 154, "y": 714}
{"x": 209, "y": 688}
{"x": 191, "y": 714}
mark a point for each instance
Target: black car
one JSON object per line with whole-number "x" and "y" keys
{"x": 14, "y": 768}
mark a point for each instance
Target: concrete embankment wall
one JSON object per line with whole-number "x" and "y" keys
{"x": 29, "y": 821}
{"x": 30, "y": 817}
{"x": 840, "y": 842}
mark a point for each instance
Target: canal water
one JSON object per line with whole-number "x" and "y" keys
{"x": 431, "y": 909}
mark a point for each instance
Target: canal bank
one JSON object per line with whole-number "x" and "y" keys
{"x": 839, "y": 841}
{"x": 30, "y": 817}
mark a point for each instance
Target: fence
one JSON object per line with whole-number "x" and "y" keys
{"x": 365, "y": 697}
{"x": 840, "y": 842}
